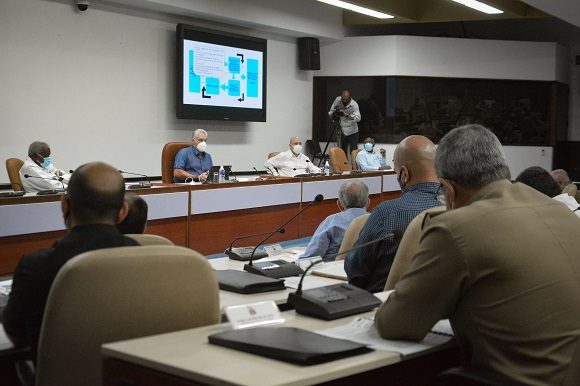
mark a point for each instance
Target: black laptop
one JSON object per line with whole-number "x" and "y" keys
{"x": 216, "y": 169}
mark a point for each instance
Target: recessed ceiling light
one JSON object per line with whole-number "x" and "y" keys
{"x": 357, "y": 8}
{"x": 479, "y": 6}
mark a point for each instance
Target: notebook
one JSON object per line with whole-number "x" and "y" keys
{"x": 247, "y": 283}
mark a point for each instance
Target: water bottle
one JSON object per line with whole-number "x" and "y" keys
{"x": 222, "y": 175}
{"x": 326, "y": 169}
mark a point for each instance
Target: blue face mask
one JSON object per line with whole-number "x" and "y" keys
{"x": 369, "y": 146}
{"x": 46, "y": 161}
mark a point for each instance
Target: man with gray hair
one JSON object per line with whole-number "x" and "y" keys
{"x": 561, "y": 177}
{"x": 353, "y": 200}
{"x": 193, "y": 162}
{"x": 39, "y": 173}
{"x": 501, "y": 263}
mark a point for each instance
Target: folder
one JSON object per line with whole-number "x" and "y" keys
{"x": 247, "y": 283}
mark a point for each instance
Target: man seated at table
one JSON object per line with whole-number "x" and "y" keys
{"x": 136, "y": 220}
{"x": 193, "y": 162}
{"x": 353, "y": 201}
{"x": 41, "y": 172}
{"x": 91, "y": 208}
{"x": 502, "y": 263}
{"x": 368, "y": 159}
{"x": 368, "y": 267}
{"x": 291, "y": 162}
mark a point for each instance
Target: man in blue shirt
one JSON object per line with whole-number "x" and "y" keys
{"x": 369, "y": 159}
{"x": 353, "y": 200}
{"x": 368, "y": 267}
{"x": 193, "y": 162}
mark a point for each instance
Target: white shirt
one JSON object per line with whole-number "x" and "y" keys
{"x": 348, "y": 121}
{"x": 569, "y": 201}
{"x": 289, "y": 165}
{"x": 49, "y": 177}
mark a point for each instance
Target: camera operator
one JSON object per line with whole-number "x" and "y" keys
{"x": 344, "y": 111}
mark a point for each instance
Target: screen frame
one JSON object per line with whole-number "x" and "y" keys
{"x": 221, "y": 113}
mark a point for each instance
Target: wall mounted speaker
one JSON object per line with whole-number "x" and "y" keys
{"x": 309, "y": 53}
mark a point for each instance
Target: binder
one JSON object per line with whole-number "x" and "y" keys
{"x": 247, "y": 283}
{"x": 288, "y": 344}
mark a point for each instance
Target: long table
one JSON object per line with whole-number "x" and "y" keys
{"x": 202, "y": 217}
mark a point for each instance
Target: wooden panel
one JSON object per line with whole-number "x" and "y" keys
{"x": 119, "y": 373}
{"x": 212, "y": 233}
{"x": 174, "y": 229}
{"x": 13, "y": 247}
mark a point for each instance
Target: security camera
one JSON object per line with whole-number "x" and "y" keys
{"x": 83, "y": 5}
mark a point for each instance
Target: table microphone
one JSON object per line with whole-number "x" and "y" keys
{"x": 278, "y": 268}
{"x": 235, "y": 179}
{"x": 48, "y": 191}
{"x": 338, "y": 300}
{"x": 141, "y": 184}
{"x": 244, "y": 253}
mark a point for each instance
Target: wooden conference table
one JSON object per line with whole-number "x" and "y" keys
{"x": 202, "y": 217}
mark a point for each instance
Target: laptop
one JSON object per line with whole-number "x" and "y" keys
{"x": 216, "y": 169}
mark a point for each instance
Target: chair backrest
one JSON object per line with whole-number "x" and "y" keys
{"x": 168, "y": 159}
{"x": 351, "y": 234}
{"x": 148, "y": 239}
{"x": 116, "y": 294}
{"x": 338, "y": 160}
{"x": 353, "y": 155}
{"x": 408, "y": 246}
{"x": 571, "y": 189}
{"x": 273, "y": 154}
{"x": 13, "y": 166}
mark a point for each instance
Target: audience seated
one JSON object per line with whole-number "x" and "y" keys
{"x": 501, "y": 263}
{"x": 561, "y": 177}
{"x": 136, "y": 220}
{"x": 353, "y": 200}
{"x": 291, "y": 162}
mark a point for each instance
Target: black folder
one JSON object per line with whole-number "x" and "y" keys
{"x": 247, "y": 283}
{"x": 288, "y": 344}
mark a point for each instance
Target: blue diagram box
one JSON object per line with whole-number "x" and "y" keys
{"x": 252, "y": 88}
{"x": 212, "y": 86}
{"x": 233, "y": 87}
{"x": 234, "y": 64}
{"x": 194, "y": 80}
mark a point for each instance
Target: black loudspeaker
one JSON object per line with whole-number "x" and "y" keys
{"x": 309, "y": 53}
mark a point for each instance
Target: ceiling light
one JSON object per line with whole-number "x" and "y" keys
{"x": 479, "y": 6}
{"x": 356, "y": 8}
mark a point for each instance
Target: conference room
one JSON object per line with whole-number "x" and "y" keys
{"x": 107, "y": 84}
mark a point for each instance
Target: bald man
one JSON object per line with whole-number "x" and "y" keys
{"x": 414, "y": 163}
{"x": 91, "y": 208}
{"x": 291, "y": 162}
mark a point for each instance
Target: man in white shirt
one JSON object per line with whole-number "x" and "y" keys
{"x": 38, "y": 172}
{"x": 346, "y": 111}
{"x": 291, "y": 162}
{"x": 369, "y": 159}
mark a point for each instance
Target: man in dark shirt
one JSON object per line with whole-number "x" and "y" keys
{"x": 414, "y": 163}
{"x": 91, "y": 208}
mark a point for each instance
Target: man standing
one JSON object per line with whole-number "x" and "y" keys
{"x": 291, "y": 162}
{"x": 502, "y": 263}
{"x": 91, "y": 208}
{"x": 41, "y": 172}
{"x": 368, "y": 267}
{"x": 353, "y": 201}
{"x": 345, "y": 110}
{"x": 368, "y": 159}
{"x": 193, "y": 162}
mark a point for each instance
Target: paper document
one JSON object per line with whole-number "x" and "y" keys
{"x": 331, "y": 269}
{"x": 362, "y": 330}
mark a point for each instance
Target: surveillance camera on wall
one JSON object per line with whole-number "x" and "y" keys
{"x": 83, "y": 5}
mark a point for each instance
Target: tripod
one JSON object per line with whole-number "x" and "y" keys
{"x": 335, "y": 129}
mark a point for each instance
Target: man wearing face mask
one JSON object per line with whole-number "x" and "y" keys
{"x": 42, "y": 174}
{"x": 291, "y": 162}
{"x": 193, "y": 162}
{"x": 346, "y": 111}
{"x": 368, "y": 159}
{"x": 368, "y": 267}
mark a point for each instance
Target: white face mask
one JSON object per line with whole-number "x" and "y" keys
{"x": 297, "y": 149}
{"x": 201, "y": 146}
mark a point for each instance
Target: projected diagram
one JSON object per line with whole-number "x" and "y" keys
{"x": 222, "y": 76}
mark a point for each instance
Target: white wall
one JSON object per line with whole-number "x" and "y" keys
{"x": 99, "y": 85}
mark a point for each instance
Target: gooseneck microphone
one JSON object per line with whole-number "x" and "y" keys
{"x": 48, "y": 191}
{"x": 244, "y": 253}
{"x": 278, "y": 268}
{"x": 235, "y": 179}
{"x": 141, "y": 184}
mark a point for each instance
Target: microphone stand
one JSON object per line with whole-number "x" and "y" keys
{"x": 142, "y": 184}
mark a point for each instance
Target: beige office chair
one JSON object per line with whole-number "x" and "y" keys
{"x": 408, "y": 246}
{"x": 148, "y": 239}
{"x": 115, "y": 294}
{"x": 571, "y": 189}
{"x": 273, "y": 154}
{"x": 168, "y": 159}
{"x": 13, "y": 166}
{"x": 338, "y": 160}
{"x": 351, "y": 234}
{"x": 353, "y": 155}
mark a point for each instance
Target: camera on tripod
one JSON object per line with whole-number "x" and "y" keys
{"x": 338, "y": 111}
